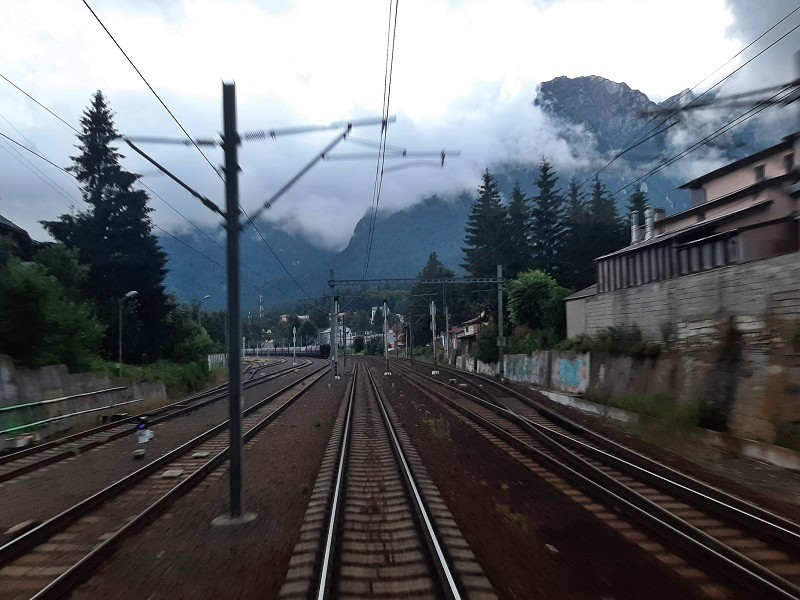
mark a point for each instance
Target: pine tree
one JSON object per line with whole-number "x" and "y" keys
{"x": 606, "y": 231}
{"x": 577, "y": 256}
{"x": 114, "y": 238}
{"x": 423, "y": 293}
{"x": 637, "y": 202}
{"x": 518, "y": 249}
{"x": 486, "y": 232}
{"x": 547, "y": 222}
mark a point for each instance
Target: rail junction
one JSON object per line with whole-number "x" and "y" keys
{"x": 378, "y": 486}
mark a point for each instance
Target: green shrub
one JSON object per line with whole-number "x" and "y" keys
{"x": 179, "y": 379}
{"x": 487, "y": 350}
{"x": 616, "y": 341}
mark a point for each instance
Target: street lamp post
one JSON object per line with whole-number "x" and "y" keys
{"x": 200, "y": 312}
{"x": 130, "y": 294}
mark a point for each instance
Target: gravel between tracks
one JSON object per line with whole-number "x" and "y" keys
{"x": 181, "y": 556}
{"x": 509, "y": 516}
{"x": 44, "y": 493}
{"x": 768, "y": 486}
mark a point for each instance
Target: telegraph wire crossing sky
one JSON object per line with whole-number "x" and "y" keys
{"x": 464, "y": 76}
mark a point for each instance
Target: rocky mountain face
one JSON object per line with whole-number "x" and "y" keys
{"x": 589, "y": 110}
{"x": 606, "y": 108}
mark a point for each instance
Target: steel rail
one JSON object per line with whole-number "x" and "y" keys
{"x": 619, "y": 497}
{"x": 177, "y": 409}
{"x": 81, "y": 570}
{"x": 440, "y": 560}
{"x": 657, "y": 473}
{"x": 27, "y": 541}
{"x": 327, "y": 551}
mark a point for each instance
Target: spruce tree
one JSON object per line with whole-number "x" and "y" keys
{"x": 423, "y": 293}
{"x": 518, "y": 249}
{"x": 577, "y": 256}
{"x": 606, "y": 231}
{"x": 114, "y": 238}
{"x": 547, "y": 222}
{"x": 637, "y": 202}
{"x": 486, "y": 232}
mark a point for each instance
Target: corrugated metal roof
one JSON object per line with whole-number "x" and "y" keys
{"x": 584, "y": 293}
{"x": 697, "y": 226}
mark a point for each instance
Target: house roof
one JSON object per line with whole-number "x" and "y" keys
{"x": 659, "y": 239}
{"x": 786, "y": 144}
{"x": 6, "y": 224}
{"x": 478, "y": 319}
{"x": 745, "y": 191}
{"x": 584, "y": 293}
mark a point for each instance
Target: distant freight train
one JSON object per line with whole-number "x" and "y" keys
{"x": 321, "y": 351}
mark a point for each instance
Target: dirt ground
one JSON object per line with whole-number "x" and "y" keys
{"x": 44, "y": 493}
{"x": 768, "y": 486}
{"x": 532, "y": 541}
{"x": 182, "y": 556}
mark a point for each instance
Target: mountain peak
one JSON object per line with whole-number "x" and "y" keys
{"x": 605, "y": 107}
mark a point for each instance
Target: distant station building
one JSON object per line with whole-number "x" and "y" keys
{"x": 744, "y": 213}
{"x": 344, "y": 334}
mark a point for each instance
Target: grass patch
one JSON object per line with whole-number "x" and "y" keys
{"x": 179, "y": 379}
{"x": 512, "y": 518}
{"x": 661, "y": 419}
{"x": 438, "y": 427}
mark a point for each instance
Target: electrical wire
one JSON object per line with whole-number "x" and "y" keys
{"x": 653, "y": 132}
{"x": 391, "y": 35}
{"x": 36, "y": 154}
{"x": 39, "y": 103}
{"x": 747, "y": 115}
{"x": 20, "y": 157}
{"x": 141, "y": 183}
{"x": 150, "y": 87}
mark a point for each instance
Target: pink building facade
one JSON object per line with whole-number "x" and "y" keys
{"x": 740, "y": 213}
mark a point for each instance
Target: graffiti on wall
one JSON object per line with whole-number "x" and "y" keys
{"x": 529, "y": 369}
{"x": 570, "y": 374}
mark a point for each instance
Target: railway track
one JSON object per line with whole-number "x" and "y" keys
{"x": 42, "y": 455}
{"x": 50, "y": 560}
{"x": 376, "y": 526}
{"x": 749, "y": 546}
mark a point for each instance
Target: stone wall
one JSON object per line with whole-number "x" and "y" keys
{"x": 687, "y": 306}
{"x": 755, "y": 393}
{"x": 50, "y": 392}
{"x": 562, "y": 371}
{"x": 733, "y": 335}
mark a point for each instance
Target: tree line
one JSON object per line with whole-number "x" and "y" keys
{"x": 546, "y": 239}
{"x": 64, "y": 304}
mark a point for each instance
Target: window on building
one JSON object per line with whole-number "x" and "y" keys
{"x": 788, "y": 162}
{"x": 760, "y": 173}
{"x": 698, "y": 196}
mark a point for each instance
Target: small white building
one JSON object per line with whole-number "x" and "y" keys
{"x": 344, "y": 334}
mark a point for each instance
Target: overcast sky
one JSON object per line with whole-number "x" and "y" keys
{"x": 464, "y": 76}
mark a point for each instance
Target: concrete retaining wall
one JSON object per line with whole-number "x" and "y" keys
{"x": 690, "y": 306}
{"x": 43, "y": 395}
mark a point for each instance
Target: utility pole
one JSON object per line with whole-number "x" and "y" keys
{"x": 447, "y": 334}
{"x": 411, "y": 331}
{"x": 230, "y": 145}
{"x": 344, "y": 348}
{"x": 433, "y": 336}
{"x": 386, "y": 337}
{"x": 408, "y": 334}
{"x": 501, "y": 340}
{"x": 294, "y": 346}
{"x": 335, "y": 337}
